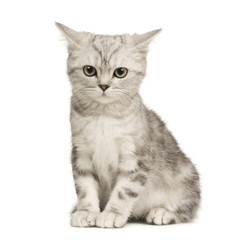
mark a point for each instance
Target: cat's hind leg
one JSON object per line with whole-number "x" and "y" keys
{"x": 161, "y": 216}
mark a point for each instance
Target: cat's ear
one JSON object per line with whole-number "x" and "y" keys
{"x": 74, "y": 38}
{"x": 70, "y": 35}
{"x": 142, "y": 41}
{"x": 145, "y": 38}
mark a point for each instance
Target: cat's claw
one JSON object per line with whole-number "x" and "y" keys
{"x": 109, "y": 219}
{"x": 83, "y": 219}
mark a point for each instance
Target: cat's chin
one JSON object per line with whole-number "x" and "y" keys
{"x": 105, "y": 99}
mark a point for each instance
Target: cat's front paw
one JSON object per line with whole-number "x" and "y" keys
{"x": 109, "y": 219}
{"x": 83, "y": 218}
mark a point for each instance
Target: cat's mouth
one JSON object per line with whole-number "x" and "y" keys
{"x": 105, "y": 94}
{"x": 105, "y": 98}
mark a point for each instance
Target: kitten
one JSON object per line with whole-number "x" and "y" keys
{"x": 126, "y": 164}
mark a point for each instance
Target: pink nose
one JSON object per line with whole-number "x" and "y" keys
{"x": 104, "y": 87}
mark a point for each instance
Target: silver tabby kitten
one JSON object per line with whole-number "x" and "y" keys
{"x": 126, "y": 164}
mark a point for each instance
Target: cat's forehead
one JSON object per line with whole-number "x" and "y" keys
{"x": 107, "y": 45}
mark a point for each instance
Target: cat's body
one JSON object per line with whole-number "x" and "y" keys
{"x": 126, "y": 164}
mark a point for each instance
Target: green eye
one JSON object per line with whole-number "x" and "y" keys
{"x": 120, "y": 72}
{"x": 89, "y": 70}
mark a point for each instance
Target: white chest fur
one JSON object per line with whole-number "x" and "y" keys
{"x": 104, "y": 138}
{"x": 102, "y": 135}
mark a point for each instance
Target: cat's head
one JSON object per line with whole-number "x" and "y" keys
{"x": 106, "y": 68}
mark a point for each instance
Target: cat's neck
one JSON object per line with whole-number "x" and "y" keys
{"x": 116, "y": 109}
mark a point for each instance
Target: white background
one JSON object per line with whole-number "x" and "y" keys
{"x": 192, "y": 82}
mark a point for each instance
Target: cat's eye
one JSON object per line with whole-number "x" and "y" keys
{"x": 89, "y": 70}
{"x": 120, "y": 72}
